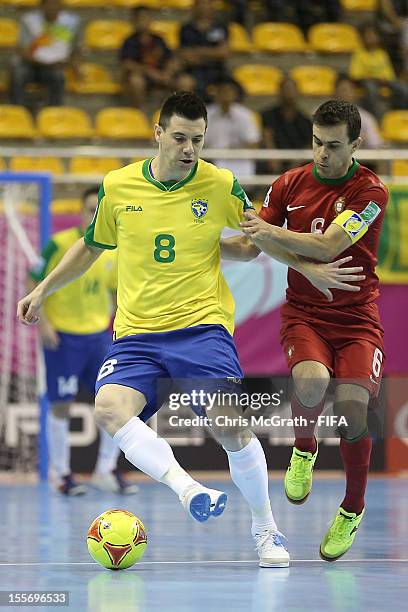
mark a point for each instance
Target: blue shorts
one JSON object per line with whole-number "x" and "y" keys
{"x": 203, "y": 351}
{"x": 77, "y": 359}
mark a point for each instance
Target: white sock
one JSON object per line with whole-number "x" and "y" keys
{"x": 250, "y": 474}
{"x": 178, "y": 479}
{"x": 58, "y": 445}
{"x": 107, "y": 454}
{"x": 151, "y": 454}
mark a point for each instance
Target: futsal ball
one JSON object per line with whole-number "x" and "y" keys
{"x": 117, "y": 539}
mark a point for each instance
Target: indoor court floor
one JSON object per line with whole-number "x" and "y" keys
{"x": 212, "y": 566}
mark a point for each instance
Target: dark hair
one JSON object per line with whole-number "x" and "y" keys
{"x": 335, "y": 112}
{"x": 185, "y": 104}
{"x": 94, "y": 190}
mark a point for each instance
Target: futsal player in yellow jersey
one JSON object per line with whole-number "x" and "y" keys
{"x": 168, "y": 239}
{"x": 75, "y": 335}
{"x": 175, "y": 312}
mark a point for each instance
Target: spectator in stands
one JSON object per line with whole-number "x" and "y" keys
{"x": 47, "y": 44}
{"x": 370, "y": 133}
{"x": 147, "y": 63}
{"x": 204, "y": 45}
{"x": 392, "y": 23}
{"x": 285, "y": 126}
{"x": 231, "y": 125}
{"x": 371, "y": 67}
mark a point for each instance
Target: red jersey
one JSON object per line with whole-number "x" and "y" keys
{"x": 310, "y": 203}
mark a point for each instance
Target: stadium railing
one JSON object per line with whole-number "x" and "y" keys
{"x": 387, "y": 156}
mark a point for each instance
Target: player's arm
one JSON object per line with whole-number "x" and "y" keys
{"x": 323, "y": 276}
{"x": 241, "y": 248}
{"x": 100, "y": 235}
{"x": 322, "y": 247}
{"x": 77, "y": 260}
{"x": 266, "y": 232}
{"x": 49, "y": 336}
{"x": 238, "y": 248}
{"x": 50, "y": 256}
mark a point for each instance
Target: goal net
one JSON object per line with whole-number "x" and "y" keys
{"x": 24, "y": 229}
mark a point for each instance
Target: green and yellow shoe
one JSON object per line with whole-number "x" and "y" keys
{"x": 299, "y": 476}
{"x": 341, "y": 534}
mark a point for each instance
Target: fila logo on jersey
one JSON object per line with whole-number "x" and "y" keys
{"x": 289, "y": 208}
{"x": 132, "y": 208}
{"x": 199, "y": 208}
{"x": 233, "y": 379}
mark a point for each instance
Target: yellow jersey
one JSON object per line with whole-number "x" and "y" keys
{"x": 168, "y": 240}
{"x": 84, "y": 306}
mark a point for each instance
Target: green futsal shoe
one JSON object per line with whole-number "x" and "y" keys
{"x": 341, "y": 534}
{"x": 299, "y": 475}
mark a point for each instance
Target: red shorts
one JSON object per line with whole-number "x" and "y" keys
{"x": 348, "y": 341}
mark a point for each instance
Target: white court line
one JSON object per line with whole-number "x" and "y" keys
{"x": 209, "y": 562}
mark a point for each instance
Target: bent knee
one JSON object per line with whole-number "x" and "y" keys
{"x": 351, "y": 419}
{"x": 310, "y": 392}
{"x": 115, "y": 405}
{"x": 311, "y": 382}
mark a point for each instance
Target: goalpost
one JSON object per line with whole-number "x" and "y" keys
{"x": 24, "y": 229}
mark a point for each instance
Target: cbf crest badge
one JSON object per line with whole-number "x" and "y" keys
{"x": 199, "y": 208}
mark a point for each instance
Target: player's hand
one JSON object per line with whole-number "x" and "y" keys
{"x": 332, "y": 276}
{"x": 255, "y": 228}
{"x": 28, "y": 308}
{"x": 49, "y": 337}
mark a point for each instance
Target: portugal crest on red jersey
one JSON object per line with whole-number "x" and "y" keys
{"x": 339, "y": 205}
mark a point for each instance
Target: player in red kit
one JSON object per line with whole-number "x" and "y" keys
{"x": 332, "y": 206}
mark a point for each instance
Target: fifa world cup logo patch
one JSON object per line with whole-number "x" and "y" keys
{"x": 199, "y": 208}
{"x": 339, "y": 205}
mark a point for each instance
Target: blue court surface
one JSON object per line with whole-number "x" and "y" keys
{"x": 212, "y": 566}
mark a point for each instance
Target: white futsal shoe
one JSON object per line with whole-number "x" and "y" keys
{"x": 270, "y": 549}
{"x": 201, "y": 502}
